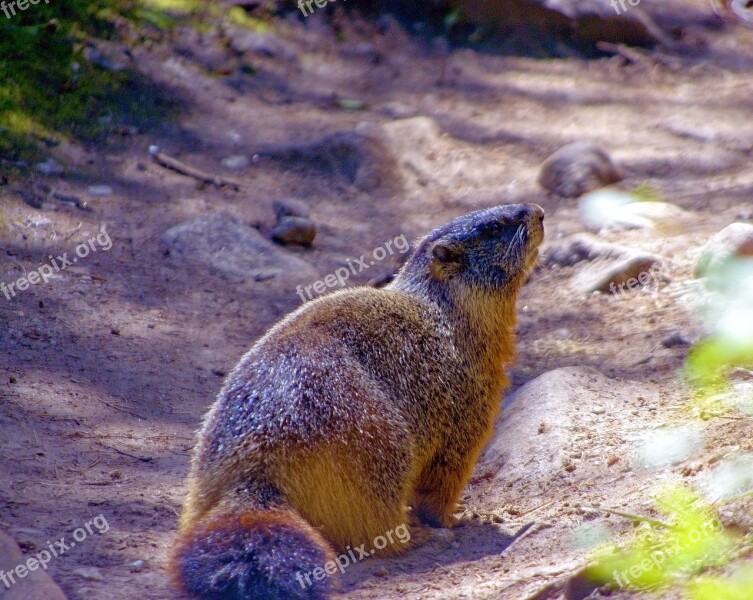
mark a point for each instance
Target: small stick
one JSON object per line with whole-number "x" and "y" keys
{"x": 176, "y": 165}
{"x": 531, "y": 528}
{"x": 125, "y": 410}
{"x": 637, "y": 518}
{"x": 140, "y": 458}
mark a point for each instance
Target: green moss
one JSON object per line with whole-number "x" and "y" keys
{"x": 49, "y": 90}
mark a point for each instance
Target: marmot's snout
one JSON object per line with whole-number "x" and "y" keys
{"x": 524, "y": 225}
{"x": 532, "y": 218}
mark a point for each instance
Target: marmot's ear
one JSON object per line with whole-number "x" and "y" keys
{"x": 445, "y": 253}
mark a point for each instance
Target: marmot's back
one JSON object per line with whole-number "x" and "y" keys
{"x": 353, "y": 407}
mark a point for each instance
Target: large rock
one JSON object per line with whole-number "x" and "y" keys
{"x": 232, "y": 249}
{"x": 358, "y": 156}
{"x": 34, "y": 585}
{"x": 549, "y": 422}
{"x": 576, "y": 169}
{"x": 611, "y": 267}
{"x": 588, "y": 21}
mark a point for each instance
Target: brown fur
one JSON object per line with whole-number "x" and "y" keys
{"x": 365, "y": 402}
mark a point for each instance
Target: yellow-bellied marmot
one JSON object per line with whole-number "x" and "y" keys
{"x": 352, "y": 408}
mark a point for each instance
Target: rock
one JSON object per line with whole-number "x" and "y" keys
{"x": 100, "y": 190}
{"x": 734, "y": 241}
{"x": 290, "y": 207}
{"x": 136, "y": 566}
{"x": 90, "y": 573}
{"x": 588, "y": 21}
{"x": 576, "y": 169}
{"x": 614, "y": 268}
{"x": 582, "y": 247}
{"x": 549, "y": 421}
{"x": 360, "y": 157}
{"x": 50, "y": 167}
{"x": 295, "y": 231}
{"x": 34, "y": 585}
{"x": 411, "y": 145}
{"x": 236, "y": 162}
{"x": 675, "y": 339}
{"x": 614, "y": 210}
{"x": 739, "y": 9}
{"x": 232, "y": 249}
{"x": 244, "y": 40}
{"x": 627, "y": 274}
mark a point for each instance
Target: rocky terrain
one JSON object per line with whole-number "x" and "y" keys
{"x": 155, "y": 257}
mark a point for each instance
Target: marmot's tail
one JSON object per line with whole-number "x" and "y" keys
{"x": 251, "y": 553}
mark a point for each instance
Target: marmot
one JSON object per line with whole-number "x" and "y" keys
{"x": 352, "y": 408}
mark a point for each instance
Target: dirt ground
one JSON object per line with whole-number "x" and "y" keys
{"x": 107, "y": 369}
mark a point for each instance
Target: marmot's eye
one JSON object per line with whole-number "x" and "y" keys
{"x": 490, "y": 230}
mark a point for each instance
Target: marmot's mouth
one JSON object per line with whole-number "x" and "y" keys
{"x": 523, "y": 245}
{"x": 530, "y": 247}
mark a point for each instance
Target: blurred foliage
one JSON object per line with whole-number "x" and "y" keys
{"x": 689, "y": 540}
{"x": 729, "y": 318}
{"x": 738, "y": 586}
{"x": 693, "y": 542}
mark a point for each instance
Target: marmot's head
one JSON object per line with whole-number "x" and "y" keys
{"x": 492, "y": 249}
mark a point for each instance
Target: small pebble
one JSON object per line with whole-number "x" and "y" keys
{"x": 49, "y": 167}
{"x": 598, "y": 410}
{"x": 290, "y": 207}
{"x": 90, "y": 573}
{"x": 674, "y": 339}
{"x": 294, "y": 231}
{"x": 236, "y": 162}
{"x": 100, "y": 190}
{"x": 136, "y": 566}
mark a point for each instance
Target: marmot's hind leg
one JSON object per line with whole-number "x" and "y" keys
{"x": 351, "y": 494}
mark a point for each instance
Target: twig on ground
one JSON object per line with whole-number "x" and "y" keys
{"x": 124, "y": 453}
{"x": 636, "y": 518}
{"x": 176, "y": 165}
{"x": 124, "y": 410}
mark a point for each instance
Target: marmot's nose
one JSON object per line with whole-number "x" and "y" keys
{"x": 538, "y": 212}
{"x": 528, "y": 213}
